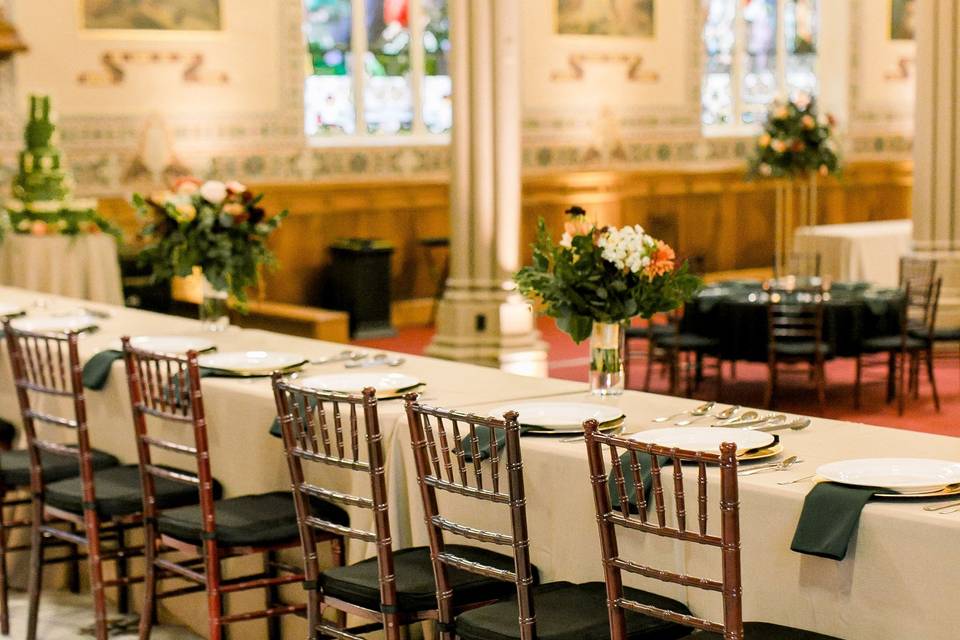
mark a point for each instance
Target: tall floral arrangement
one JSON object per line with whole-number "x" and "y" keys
{"x": 603, "y": 275}
{"x": 796, "y": 142}
{"x": 219, "y": 227}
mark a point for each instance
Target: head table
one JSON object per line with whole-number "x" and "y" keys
{"x": 898, "y": 580}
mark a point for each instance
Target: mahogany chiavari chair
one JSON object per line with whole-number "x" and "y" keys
{"x": 448, "y": 447}
{"x": 394, "y": 588}
{"x": 166, "y": 389}
{"x": 795, "y": 336}
{"x": 914, "y": 342}
{"x": 74, "y": 501}
{"x": 625, "y": 457}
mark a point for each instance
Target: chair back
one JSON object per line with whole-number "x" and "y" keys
{"x": 801, "y": 265}
{"x": 49, "y": 365}
{"x": 320, "y": 429}
{"x": 918, "y": 272}
{"x": 442, "y": 440}
{"x": 919, "y": 311}
{"x": 167, "y": 387}
{"x": 794, "y": 316}
{"x": 611, "y": 520}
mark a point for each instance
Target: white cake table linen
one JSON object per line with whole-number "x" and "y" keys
{"x": 859, "y": 251}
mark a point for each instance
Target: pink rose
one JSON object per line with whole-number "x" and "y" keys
{"x": 236, "y": 187}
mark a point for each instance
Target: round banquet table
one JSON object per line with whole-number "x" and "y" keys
{"x": 84, "y": 266}
{"x": 735, "y": 313}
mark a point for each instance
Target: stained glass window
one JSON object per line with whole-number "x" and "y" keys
{"x": 403, "y": 84}
{"x": 754, "y": 51}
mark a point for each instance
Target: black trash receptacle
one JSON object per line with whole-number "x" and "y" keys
{"x": 358, "y": 282}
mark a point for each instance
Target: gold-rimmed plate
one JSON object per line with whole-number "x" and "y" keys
{"x": 761, "y": 454}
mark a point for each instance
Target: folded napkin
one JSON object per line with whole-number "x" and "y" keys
{"x": 831, "y": 513}
{"x": 630, "y": 487}
{"x": 96, "y": 371}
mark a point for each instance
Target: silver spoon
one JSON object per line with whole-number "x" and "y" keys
{"x": 702, "y": 410}
{"x": 796, "y": 425}
{"x": 783, "y": 465}
{"x": 726, "y": 414}
{"x": 349, "y": 354}
{"x": 803, "y": 479}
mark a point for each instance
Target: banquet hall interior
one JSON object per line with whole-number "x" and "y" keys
{"x": 479, "y": 319}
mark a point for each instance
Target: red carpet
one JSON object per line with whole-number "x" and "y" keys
{"x": 796, "y": 395}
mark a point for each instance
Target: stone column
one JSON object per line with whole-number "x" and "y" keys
{"x": 936, "y": 191}
{"x": 481, "y": 318}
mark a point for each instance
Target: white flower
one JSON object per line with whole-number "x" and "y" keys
{"x": 213, "y": 191}
{"x": 627, "y": 248}
{"x": 566, "y": 240}
{"x": 236, "y": 187}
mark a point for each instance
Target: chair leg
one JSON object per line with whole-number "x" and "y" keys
{"x": 649, "y": 374}
{"x": 821, "y": 381}
{"x": 857, "y": 383}
{"x": 4, "y": 610}
{"x": 733, "y": 369}
{"x": 92, "y": 524}
{"x": 892, "y": 377}
{"x": 271, "y": 595}
{"x": 719, "y": 377}
{"x": 35, "y": 580}
{"x": 901, "y": 380}
{"x": 123, "y": 591}
{"x": 933, "y": 380}
{"x": 73, "y": 569}
{"x": 147, "y": 613}
{"x": 771, "y": 383}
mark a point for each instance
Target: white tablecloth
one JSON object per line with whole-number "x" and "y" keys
{"x": 84, "y": 266}
{"x": 898, "y": 580}
{"x": 860, "y": 251}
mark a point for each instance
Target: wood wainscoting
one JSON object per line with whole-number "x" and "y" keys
{"x": 713, "y": 214}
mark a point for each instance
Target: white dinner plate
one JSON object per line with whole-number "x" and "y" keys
{"x": 706, "y": 439}
{"x": 384, "y": 383}
{"x": 7, "y": 310}
{"x": 54, "y": 324}
{"x": 559, "y": 416}
{"x": 251, "y": 362}
{"x": 169, "y": 344}
{"x": 904, "y": 475}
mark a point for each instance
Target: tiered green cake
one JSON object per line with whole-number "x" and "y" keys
{"x": 41, "y": 178}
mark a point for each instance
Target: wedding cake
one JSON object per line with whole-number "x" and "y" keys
{"x": 41, "y": 184}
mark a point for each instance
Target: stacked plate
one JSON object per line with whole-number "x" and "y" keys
{"x": 251, "y": 363}
{"x": 9, "y": 310}
{"x": 901, "y": 477}
{"x": 751, "y": 445}
{"x": 561, "y": 418}
{"x": 55, "y": 324}
{"x": 169, "y": 344}
{"x": 387, "y": 384}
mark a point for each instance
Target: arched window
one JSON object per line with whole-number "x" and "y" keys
{"x": 755, "y": 50}
{"x": 377, "y": 67}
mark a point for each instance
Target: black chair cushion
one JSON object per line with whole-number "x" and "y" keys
{"x": 942, "y": 335}
{"x": 686, "y": 342}
{"x": 800, "y": 349}
{"x": 891, "y": 343}
{"x": 15, "y": 466}
{"x": 254, "y": 520}
{"x": 766, "y": 631}
{"x": 568, "y": 611}
{"x": 658, "y": 329}
{"x": 416, "y": 591}
{"x": 118, "y": 493}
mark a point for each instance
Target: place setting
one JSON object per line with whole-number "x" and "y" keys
{"x": 831, "y": 510}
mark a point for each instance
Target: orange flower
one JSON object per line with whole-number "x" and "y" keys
{"x": 38, "y": 228}
{"x": 578, "y": 226}
{"x": 661, "y": 261}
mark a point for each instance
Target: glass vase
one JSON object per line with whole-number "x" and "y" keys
{"x": 214, "y": 311}
{"x": 607, "y": 344}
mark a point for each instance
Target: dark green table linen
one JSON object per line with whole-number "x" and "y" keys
{"x": 96, "y": 371}
{"x": 630, "y": 486}
{"x": 831, "y": 513}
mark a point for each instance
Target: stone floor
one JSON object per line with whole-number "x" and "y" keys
{"x": 63, "y": 616}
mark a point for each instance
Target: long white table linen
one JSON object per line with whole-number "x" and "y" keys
{"x": 859, "y": 251}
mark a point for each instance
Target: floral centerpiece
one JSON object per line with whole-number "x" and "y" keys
{"x": 795, "y": 142}
{"x": 219, "y": 227}
{"x": 598, "y": 278}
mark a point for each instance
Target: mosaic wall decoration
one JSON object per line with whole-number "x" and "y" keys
{"x": 630, "y": 18}
{"x": 903, "y": 19}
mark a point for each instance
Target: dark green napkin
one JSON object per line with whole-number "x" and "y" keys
{"x": 646, "y": 475}
{"x": 831, "y": 513}
{"x": 96, "y": 371}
